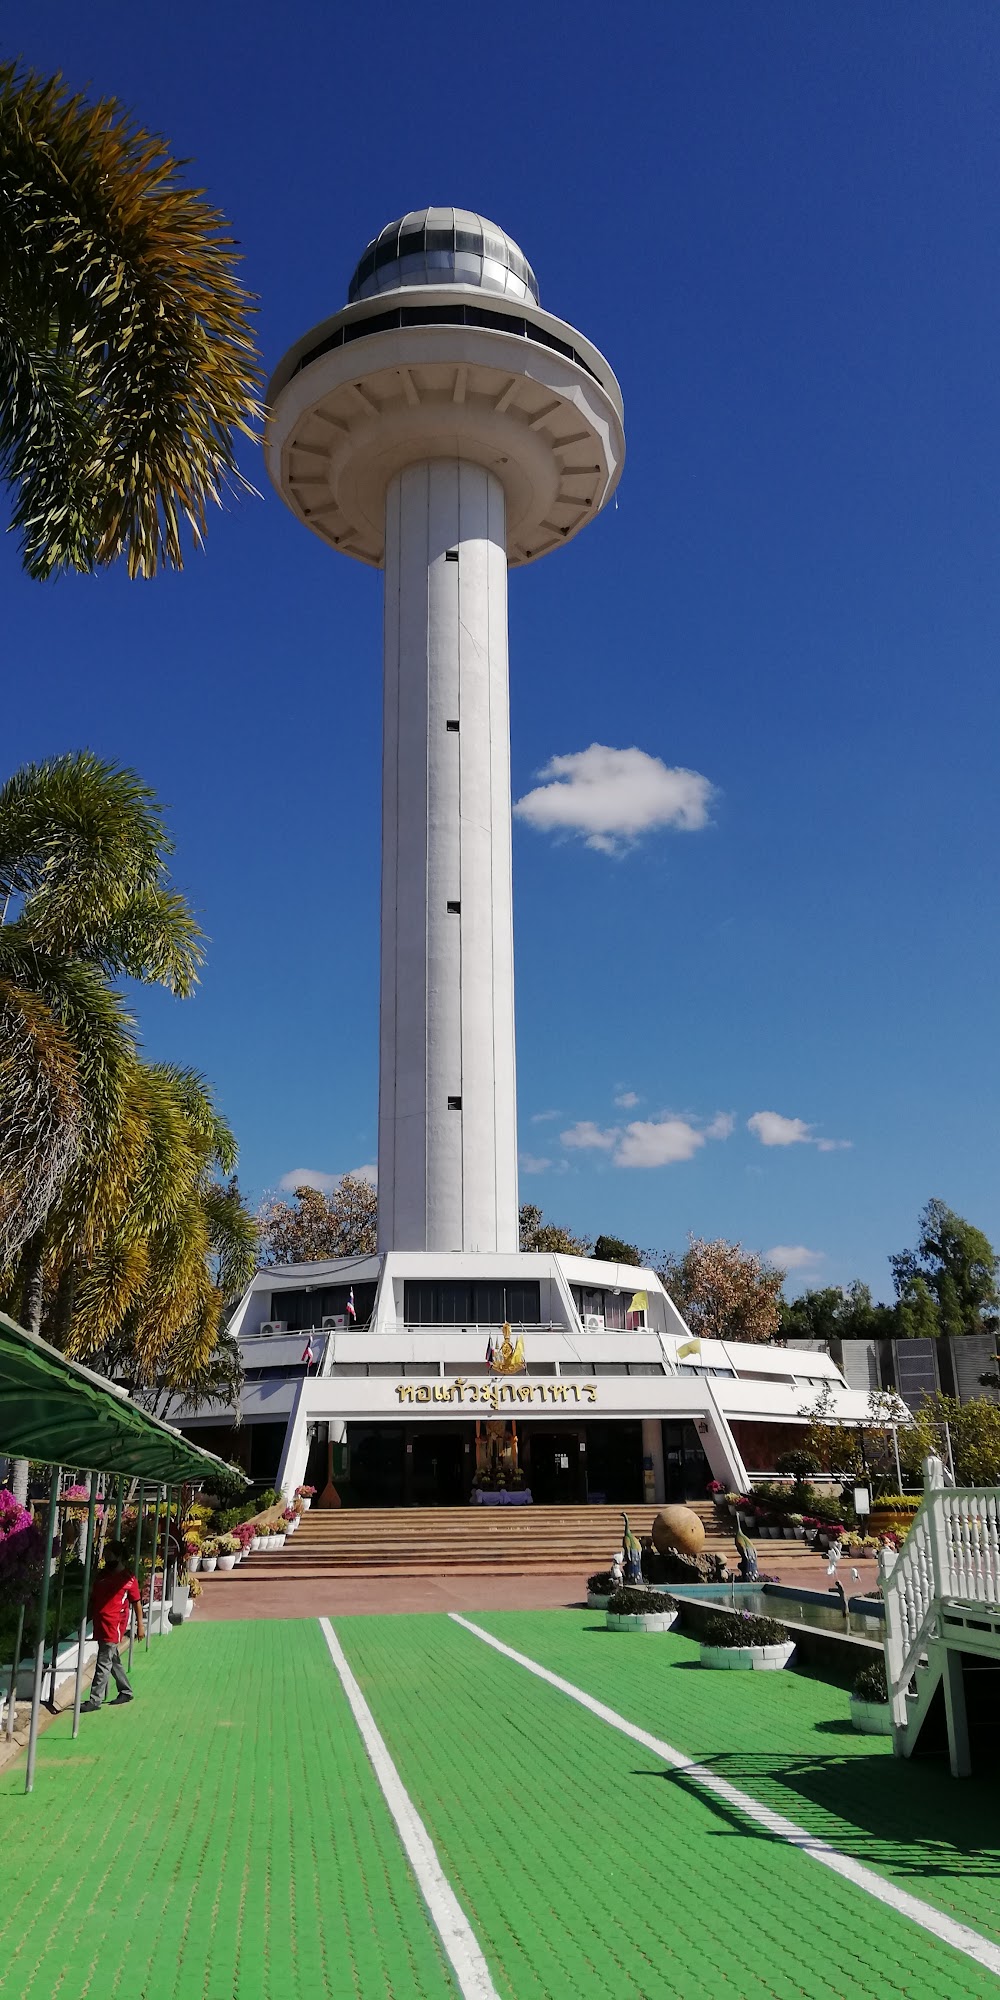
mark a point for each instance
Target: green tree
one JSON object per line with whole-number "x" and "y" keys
{"x": 957, "y": 1266}
{"x": 724, "y": 1291}
{"x": 314, "y": 1226}
{"x": 917, "y": 1316}
{"x": 835, "y": 1312}
{"x": 613, "y": 1250}
{"x": 974, "y": 1432}
{"x": 537, "y": 1234}
{"x": 126, "y": 362}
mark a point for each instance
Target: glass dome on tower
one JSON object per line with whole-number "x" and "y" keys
{"x": 443, "y": 246}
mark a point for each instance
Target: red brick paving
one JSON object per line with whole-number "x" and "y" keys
{"x": 232, "y": 1596}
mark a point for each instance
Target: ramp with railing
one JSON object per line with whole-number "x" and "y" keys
{"x": 942, "y": 1604}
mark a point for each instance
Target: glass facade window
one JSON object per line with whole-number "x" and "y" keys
{"x": 432, "y": 240}
{"x": 311, "y": 1305}
{"x": 440, "y": 315}
{"x": 432, "y": 1302}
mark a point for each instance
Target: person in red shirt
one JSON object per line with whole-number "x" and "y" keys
{"x": 114, "y": 1592}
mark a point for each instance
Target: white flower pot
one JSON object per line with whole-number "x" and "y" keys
{"x": 872, "y": 1718}
{"x": 758, "y": 1659}
{"x": 277, "y": 1541}
{"x": 209, "y": 1562}
{"x": 640, "y": 1621}
{"x": 306, "y": 1503}
{"x": 256, "y": 1543}
{"x": 789, "y": 1534}
{"x": 597, "y": 1601}
{"x": 227, "y": 1562}
{"x": 194, "y": 1564}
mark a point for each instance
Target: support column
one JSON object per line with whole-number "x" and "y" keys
{"x": 653, "y": 1479}
{"x": 447, "y": 1116}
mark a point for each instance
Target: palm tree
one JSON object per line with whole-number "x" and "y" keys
{"x": 149, "y": 1304}
{"x": 127, "y": 367}
{"x": 83, "y": 850}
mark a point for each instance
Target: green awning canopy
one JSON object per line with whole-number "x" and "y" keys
{"x": 57, "y": 1411}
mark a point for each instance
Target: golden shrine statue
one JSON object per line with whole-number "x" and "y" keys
{"x": 508, "y": 1358}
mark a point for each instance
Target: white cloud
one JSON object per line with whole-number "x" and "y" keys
{"x": 532, "y": 1165}
{"x": 774, "y": 1130}
{"x": 612, "y": 797}
{"x": 722, "y": 1126}
{"x": 543, "y": 1117}
{"x": 793, "y": 1257}
{"x": 657, "y": 1142}
{"x": 628, "y": 1100}
{"x": 326, "y": 1183}
{"x": 586, "y": 1134}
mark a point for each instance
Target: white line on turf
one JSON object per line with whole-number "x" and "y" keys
{"x": 449, "y": 1918}
{"x": 940, "y": 1926}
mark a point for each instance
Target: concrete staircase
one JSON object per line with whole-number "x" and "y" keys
{"x": 464, "y": 1541}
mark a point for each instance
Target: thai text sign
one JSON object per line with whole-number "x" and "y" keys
{"x": 495, "y": 1393}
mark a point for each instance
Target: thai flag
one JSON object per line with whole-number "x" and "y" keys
{"x": 489, "y": 1352}
{"x": 307, "y": 1353}
{"x": 351, "y": 1314}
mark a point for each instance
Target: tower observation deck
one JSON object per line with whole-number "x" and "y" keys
{"x": 442, "y": 427}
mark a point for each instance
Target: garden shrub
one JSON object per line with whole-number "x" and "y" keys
{"x": 870, "y": 1684}
{"x": 601, "y": 1583}
{"x": 742, "y": 1628}
{"x": 632, "y": 1601}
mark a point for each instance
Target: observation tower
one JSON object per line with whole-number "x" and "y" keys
{"x": 442, "y": 427}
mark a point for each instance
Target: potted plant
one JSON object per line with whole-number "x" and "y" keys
{"x": 635, "y": 1610}
{"x": 290, "y": 1519}
{"x": 871, "y": 1710}
{"x": 192, "y": 1551}
{"x": 599, "y": 1590}
{"x": 719, "y": 1497}
{"x": 228, "y": 1549}
{"x": 209, "y": 1553}
{"x": 737, "y": 1639}
{"x": 306, "y": 1494}
{"x": 797, "y": 1525}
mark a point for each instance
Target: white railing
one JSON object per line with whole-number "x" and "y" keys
{"x": 951, "y": 1555}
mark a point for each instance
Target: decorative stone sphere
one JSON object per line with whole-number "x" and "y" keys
{"x": 678, "y": 1531}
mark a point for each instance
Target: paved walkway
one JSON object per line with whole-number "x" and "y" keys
{"x": 250, "y": 1594}
{"x": 225, "y": 1838}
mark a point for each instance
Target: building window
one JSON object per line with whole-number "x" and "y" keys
{"x": 429, "y": 1302}
{"x": 454, "y": 1104}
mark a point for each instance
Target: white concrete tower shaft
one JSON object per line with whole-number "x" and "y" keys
{"x": 447, "y": 1147}
{"x": 443, "y": 427}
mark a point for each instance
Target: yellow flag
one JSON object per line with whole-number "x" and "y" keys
{"x": 640, "y": 1303}
{"x": 689, "y": 1347}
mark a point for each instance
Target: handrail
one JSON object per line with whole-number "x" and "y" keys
{"x": 952, "y": 1553}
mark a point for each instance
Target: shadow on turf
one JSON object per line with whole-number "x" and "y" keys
{"x": 867, "y": 1808}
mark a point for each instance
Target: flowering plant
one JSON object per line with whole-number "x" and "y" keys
{"x": 22, "y": 1551}
{"x": 192, "y": 1545}
{"x": 304, "y": 1492}
{"x": 289, "y": 1514}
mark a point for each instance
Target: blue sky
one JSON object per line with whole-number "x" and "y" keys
{"x": 779, "y": 224}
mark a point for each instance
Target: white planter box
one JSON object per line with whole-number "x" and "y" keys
{"x": 872, "y": 1718}
{"x": 596, "y": 1601}
{"x": 640, "y": 1621}
{"x": 258, "y": 1542}
{"x": 742, "y": 1659}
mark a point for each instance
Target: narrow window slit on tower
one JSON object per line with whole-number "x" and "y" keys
{"x": 455, "y": 909}
{"x": 451, "y": 555}
{"x": 453, "y": 726}
{"x": 454, "y": 1104}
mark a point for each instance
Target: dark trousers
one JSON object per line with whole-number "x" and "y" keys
{"x": 108, "y": 1662}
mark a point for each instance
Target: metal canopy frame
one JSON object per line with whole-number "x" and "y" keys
{"x": 56, "y": 1411}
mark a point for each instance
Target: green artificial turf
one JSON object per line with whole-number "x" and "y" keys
{"x": 787, "y": 1739}
{"x": 223, "y": 1838}
{"x": 584, "y": 1866}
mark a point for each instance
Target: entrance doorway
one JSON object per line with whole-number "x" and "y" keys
{"x": 614, "y": 1462}
{"x": 554, "y": 1465}
{"x": 686, "y": 1470}
{"x": 440, "y": 1464}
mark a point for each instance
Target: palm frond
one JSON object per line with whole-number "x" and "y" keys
{"x": 39, "y": 1114}
{"x": 109, "y": 261}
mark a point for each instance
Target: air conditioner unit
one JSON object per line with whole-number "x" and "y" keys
{"x": 593, "y": 1323}
{"x": 334, "y": 1320}
{"x": 274, "y": 1326}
